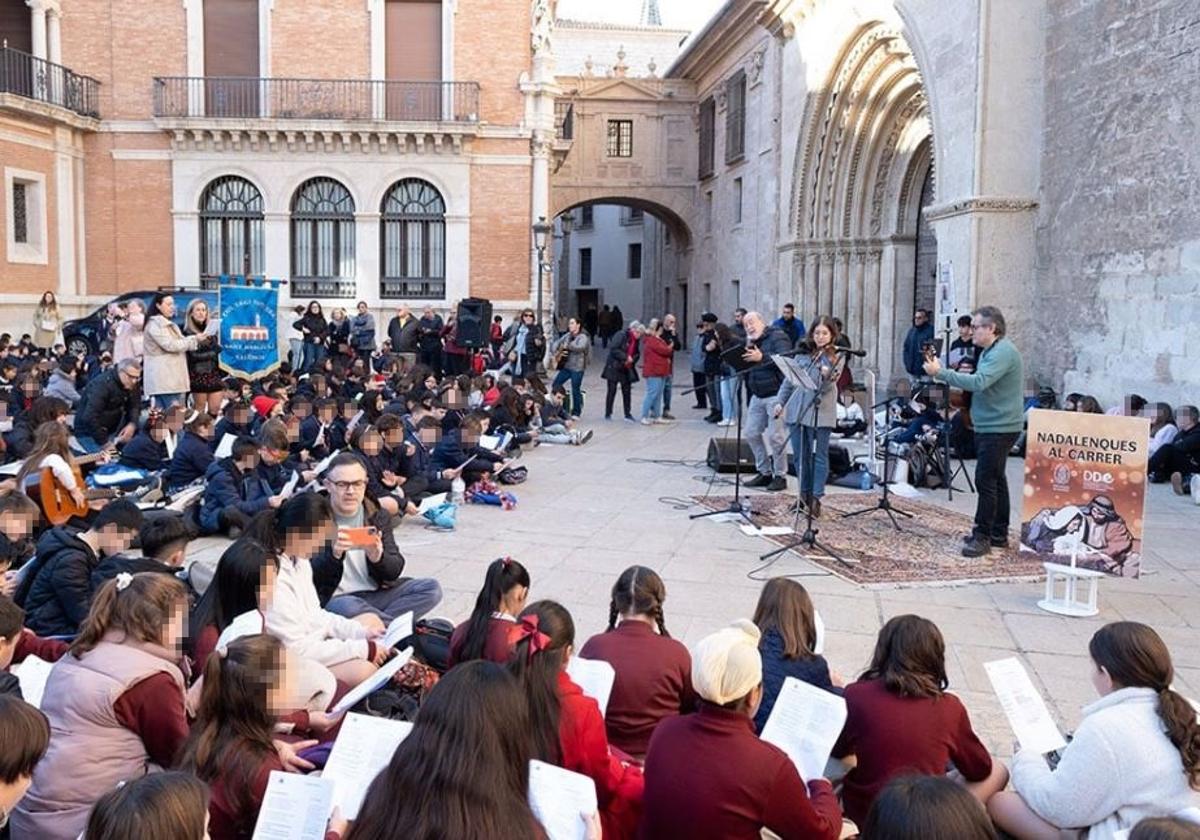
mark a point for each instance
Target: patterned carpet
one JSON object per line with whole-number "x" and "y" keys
{"x": 925, "y": 551}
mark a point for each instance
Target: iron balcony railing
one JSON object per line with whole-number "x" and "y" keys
{"x": 222, "y": 97}
{"x": 35, "y": 78}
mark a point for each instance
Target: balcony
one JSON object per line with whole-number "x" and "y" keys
{"x": 361, "y": 113}
{"x": 37, "y": 87}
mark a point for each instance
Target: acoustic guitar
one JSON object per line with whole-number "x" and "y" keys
{"x": 960, "y": 399}
{"x": 56, "y": 501}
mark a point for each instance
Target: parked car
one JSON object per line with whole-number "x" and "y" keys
{"x": 86, "y": 334}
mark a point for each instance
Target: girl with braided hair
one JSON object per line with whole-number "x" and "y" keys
{"x": 654, "y": 671}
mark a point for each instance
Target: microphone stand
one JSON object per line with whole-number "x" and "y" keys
{"x": 949, "y": 472}
{"x": 735, "y": 506}
{"x": 809, "y": 538}
{"x": 885, "y": 502}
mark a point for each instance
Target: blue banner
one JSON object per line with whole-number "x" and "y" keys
{"x": 249, "y": 329}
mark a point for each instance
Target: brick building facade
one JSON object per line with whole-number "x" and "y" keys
{"x": 382, "y": 150}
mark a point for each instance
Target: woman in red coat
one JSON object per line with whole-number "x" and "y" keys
{"x": 567, "y": 727}
{"x": 657, "y": 353}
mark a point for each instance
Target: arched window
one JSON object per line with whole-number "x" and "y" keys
{"x": 322, "y": 240}
{"x": 231, "y": 229}
{"x": 413, "y": 241}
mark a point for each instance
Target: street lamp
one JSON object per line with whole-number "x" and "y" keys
{"x": 541, "y": 233}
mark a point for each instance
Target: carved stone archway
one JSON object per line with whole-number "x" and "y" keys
{"x": 860, "y": 163}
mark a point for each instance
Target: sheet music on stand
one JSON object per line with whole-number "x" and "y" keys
{"x": 795, "y": 372}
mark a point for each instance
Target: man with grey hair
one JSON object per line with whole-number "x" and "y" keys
{"x": 766, "y": 435}
{"x": 109, "y": 405}
{"x": 620, "y": 368}
{"x": 997, "y": 411}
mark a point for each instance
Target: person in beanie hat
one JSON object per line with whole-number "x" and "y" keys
{"x": 709, "y": 775}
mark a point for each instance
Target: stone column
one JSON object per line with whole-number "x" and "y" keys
{"x": 277, "y": 246}
{"x": 54, "y": 36}
{"x": 38, "y": 17}
{"x": 367, "y": 268}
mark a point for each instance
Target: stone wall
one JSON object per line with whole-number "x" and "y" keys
{"x": 1119, "y": 224}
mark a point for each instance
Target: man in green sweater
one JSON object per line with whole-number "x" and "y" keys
{"x": 997, "y": 413}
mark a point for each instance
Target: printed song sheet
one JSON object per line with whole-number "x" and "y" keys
{"x": 364, "y": 747}
{"x": 295, "y": 808}
{"x": 1023, "y": 706}
{"x": 371, "y": 683}
{"x": 225, "y": 447}
{"x": 399, "y": 630}
{"x": 595, "y": 677}
{"x": 560, "y": 799}
{"x": 805, "y": 724}
{"x": 32, "y": 674}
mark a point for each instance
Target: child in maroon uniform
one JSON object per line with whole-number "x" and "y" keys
{"x": 654, "y": 672}
{"x": 487, "y": 634}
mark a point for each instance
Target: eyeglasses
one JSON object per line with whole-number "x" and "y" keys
{"x": 347, "y": 486}
{"x": 979, "y": 326}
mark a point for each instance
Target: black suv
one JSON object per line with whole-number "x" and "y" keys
{"x": 86, "y": 334}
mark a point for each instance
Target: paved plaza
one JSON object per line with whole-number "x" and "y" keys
{"x": 588, "y": 512}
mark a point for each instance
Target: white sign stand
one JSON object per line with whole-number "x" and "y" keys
{"x": 1070, "y": 577}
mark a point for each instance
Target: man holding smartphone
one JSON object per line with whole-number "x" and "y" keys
{"x": 358, "y": 573}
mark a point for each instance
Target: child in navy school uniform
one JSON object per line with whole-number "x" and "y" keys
{"x": 148, "y": 449}
{"x": 193, "y": 453}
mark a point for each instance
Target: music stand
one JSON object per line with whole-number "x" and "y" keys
{"x": 809, "y": 538}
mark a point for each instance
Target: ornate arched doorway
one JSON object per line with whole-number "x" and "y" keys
{"x": 862, "y": 165}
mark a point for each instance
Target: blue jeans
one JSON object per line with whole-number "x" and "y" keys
{"x": 652, "y": 402}
{"x": 88, "y": 445}
{"x": 727, "y": 401}
{"x": 418, "y": 595}
{"x": 802, "y": 441}
{"x": 165, "y": 401}
{"x": 576, "y": 377}
{"x": 314, "y": 355}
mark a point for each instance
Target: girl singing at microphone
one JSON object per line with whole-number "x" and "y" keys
{"x": 809, "y": 427}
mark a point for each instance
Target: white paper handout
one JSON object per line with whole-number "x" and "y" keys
{"x": 560, "y": 799}
{"x": 32, "y": 674}
{"x": 766, "y": 530}
{"x": 290, "y": 487}
{"x": 595, "y": 677}
{"x": 805, "y": 723}
{"x": 429, "y": 503}
{"x": 376, "y": 680}
{"x": 1023, "y": 706}
{"x": 364, "y": 746}
{"x": 323, "y": 465}
{"x": 225, "y": 447}
{"x": 295, "y": 808}
{"x": 399, "y": 630}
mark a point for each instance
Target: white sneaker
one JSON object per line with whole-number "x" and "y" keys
{"x": 1195, "y": 488}
{"x": 646, "y": 421}
{"x": 725, "y": 422}
{"x": 661, "y": 420}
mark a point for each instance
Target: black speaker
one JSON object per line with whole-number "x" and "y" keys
{"x": 725, "y": 456}
{"x": 474, "y": 317}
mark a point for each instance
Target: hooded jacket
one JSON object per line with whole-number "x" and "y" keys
{"x": 56, "y": 592}
{"x": 227, "y": 486}
{"x": 192, "y": 458}
{"x": 62, "y": 385}
{"x": 144, "y": 453}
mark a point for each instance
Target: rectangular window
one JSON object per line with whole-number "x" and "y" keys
{"x": 631, "y": 216}
{"x": 635, "y": 261}
{"x": 231, "y": 60}
{"x": 585, "y": 266}
{"x": 20, "y": 211}
{"x": 708, "y": 211}
{"x": 708, "y": 125}
{"x": 587, "y": 216}
{"x": 737, "y": 293}
{"x": 737, "y": 201}
{"x": 620, "y": 138}
{"x": 735, "y": 117}
{"x": 25, "y": 220}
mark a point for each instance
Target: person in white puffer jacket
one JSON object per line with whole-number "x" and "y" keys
{"x": 1135, "y": 755}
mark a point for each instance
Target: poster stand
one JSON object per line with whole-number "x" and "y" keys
{"x": 1071, "y": 577}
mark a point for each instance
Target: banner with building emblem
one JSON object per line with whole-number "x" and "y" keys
{"x": 1085, "y": 490}
{"x": 249, "y": 329}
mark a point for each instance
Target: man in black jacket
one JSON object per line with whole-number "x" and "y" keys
{"x": 765, "y": 435}
{"x": 362, "y": 577}
{"x": 402, "y": 333}
{"x": 108, "y": 407}
{"x": 429, "y": 340}
{"x": 56, "y": 592}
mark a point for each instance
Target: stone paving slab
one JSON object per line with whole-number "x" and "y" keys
{"x": 588, "y": 512}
